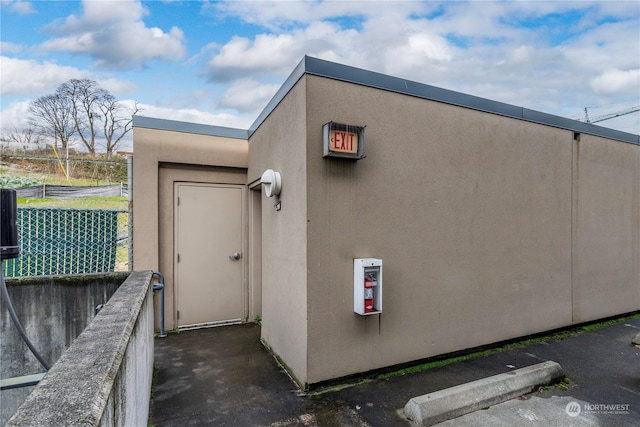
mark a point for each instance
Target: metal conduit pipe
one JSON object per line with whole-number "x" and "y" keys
{"x": 160, "y": 287}
{"x": 9, "y": 248}
{"x": 16, "y": 322}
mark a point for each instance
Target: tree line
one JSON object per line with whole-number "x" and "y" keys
{"x": 78, "y": 110}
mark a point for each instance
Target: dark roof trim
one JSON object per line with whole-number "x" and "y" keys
{"x": 345, "y": 73}
{"x": 280, "y": 94}
{"x": 186, "y": 127}
{"x": 332, "y": 70}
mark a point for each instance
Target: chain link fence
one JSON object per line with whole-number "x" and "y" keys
{"x": 59, "y": 241}
{"x": 44, "y": 191}
{"x": 113, "y": 169}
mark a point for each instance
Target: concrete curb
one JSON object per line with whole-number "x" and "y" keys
{"x": 442, "y": 405}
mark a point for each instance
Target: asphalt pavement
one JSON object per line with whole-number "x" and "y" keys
{"x": 224, "y": 377}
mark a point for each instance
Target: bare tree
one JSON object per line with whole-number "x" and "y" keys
{"x": 117, "y": 122}
{"x": 91, "y": 112}
{"x": 85, "y": 98}
{"x": 25, "y": 136}
{"x": 51, "y": 117}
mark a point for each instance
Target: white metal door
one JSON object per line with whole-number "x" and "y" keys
{"x": 208, "y": 258}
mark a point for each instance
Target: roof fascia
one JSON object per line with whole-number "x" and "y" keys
{"x": 186, "y": 127}
{"x": 288, "y": 84}
{"x": 332, "y": 70}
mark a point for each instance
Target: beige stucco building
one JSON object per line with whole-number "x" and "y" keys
{"x": 492, "y": 221}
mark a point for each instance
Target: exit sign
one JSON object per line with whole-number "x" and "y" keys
{"x": 344, "y": 141}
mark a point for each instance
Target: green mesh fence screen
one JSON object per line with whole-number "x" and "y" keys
{"x": 64, "y": 241}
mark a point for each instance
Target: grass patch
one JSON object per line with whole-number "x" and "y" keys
{"x": 560, "y": 335}
{"x": 564, "y": 384}
{"x": 154, "y": 381}
{"x": 118, "y": 203}
{"x": 436, "y": 364}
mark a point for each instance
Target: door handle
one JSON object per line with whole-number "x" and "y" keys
{"x": 236, "y": 256}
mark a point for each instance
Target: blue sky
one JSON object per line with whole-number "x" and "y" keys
{"x": 220, "y": 62}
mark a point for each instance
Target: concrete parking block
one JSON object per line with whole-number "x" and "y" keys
{"x": 442, "y": 405}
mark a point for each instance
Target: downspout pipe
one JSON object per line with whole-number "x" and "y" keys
{"x": 160, "y": 287}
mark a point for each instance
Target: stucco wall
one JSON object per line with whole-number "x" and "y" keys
{"x": 153, "y": 147}
{"x": 473, "y": 215}
{"x": 161, "y": 158}
{"x": 279, "y": 144}
{"x": 489, "y": 227}
{"x": 606, "y": 228}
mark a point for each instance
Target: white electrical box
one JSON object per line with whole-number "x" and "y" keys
{"x": 367, "y": 286}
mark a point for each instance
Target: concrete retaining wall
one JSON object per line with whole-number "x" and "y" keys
{"x": 54, "y": 310}
{"x": 104, "y": 378}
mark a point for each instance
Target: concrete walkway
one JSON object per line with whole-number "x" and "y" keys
{"x": 224, "y": 377}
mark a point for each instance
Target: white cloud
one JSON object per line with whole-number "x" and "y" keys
{"x": 30, "y": 77}
{"x": 200, "y": 96}
{"x": 114, "y": 34}
{"x": 605, "y": 47}
{"x": 522, "y": 53}
{"x": 541, "y": 55}
{"x": 8, "y": 47}
{"x": 14, "y": 121}
{"x": 114, "y": 86}
{"x": 272, "y": 15}
{"x": 613, "y": 81}
{"x": 248, "y": 96}
{"x": 434, "y": 48}
{"x": 266, "y": 55}
{"x": 399, "y": 38}
{"x": 310, "y": 28}
{"x": 18, "y": 6}
{"x": 15, "y": 116}
{"x": 191, "y": 115}
{"x": 45, "y": 77}
{"x": 279, "y": 16}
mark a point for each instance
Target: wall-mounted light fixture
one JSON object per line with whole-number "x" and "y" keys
{"x": 272, "y": 182}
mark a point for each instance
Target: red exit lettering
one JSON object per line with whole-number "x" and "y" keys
{"x": 344, "y": 142}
